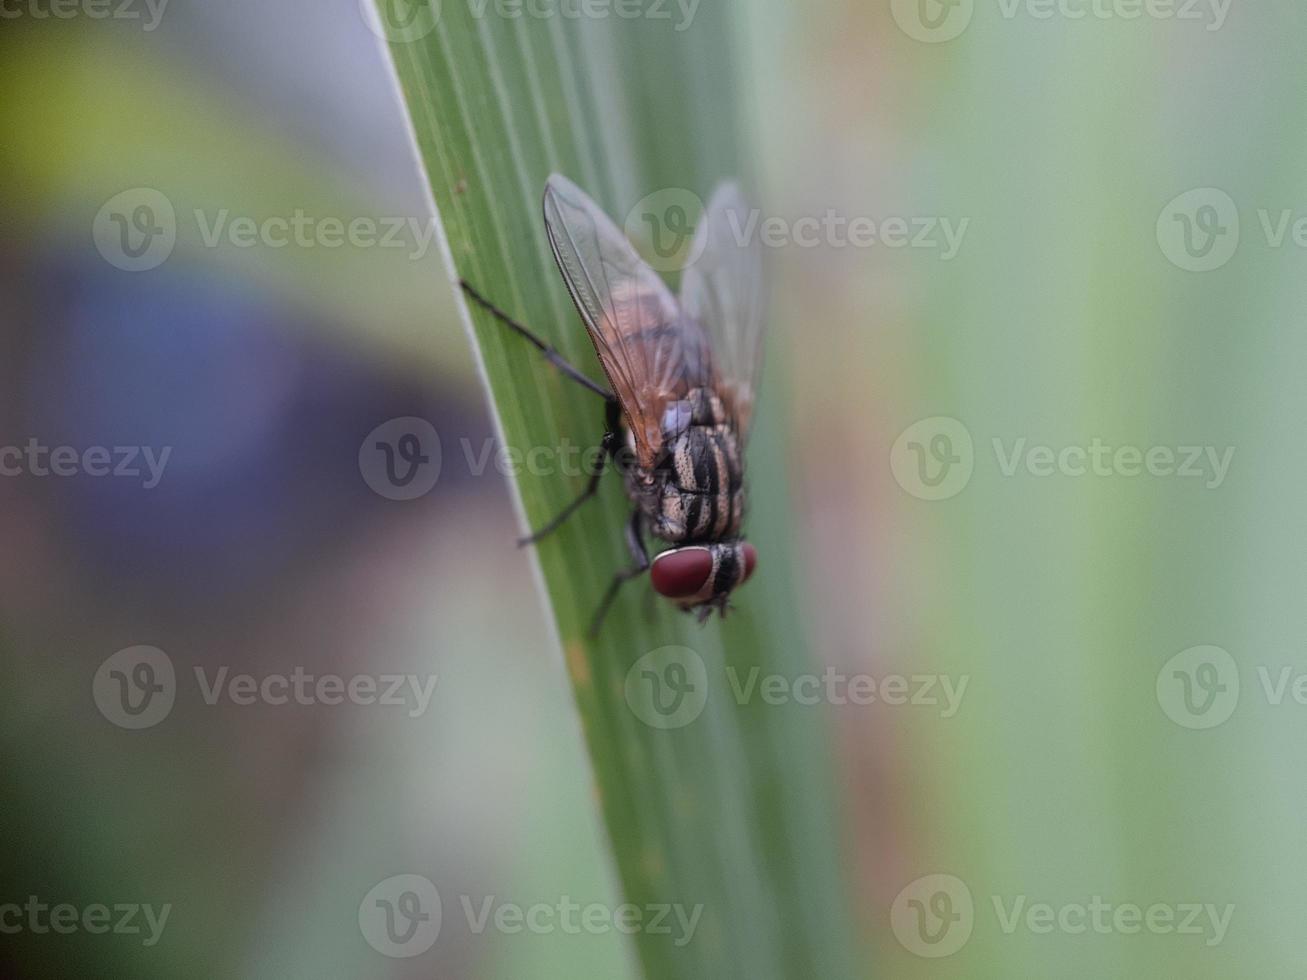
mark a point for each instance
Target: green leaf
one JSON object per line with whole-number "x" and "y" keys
{"x": 732, "y": 811}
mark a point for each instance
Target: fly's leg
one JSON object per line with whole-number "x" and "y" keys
{"x": 650, "y": 607}
{"x": 551, "y": 354}
{"x": 634, "y": 541}
{"x": 591, "y": 488}
{"x": 607, "y": 448}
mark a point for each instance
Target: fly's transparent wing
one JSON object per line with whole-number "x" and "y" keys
{"x": 723, "y": 291}
{"x": 651, "y": 352}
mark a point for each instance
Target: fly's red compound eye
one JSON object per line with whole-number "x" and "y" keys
{"x": 680, "y": 573}
{"x": 750, "y": 561}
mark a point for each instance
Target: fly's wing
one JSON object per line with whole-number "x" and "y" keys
{"x": 650, "y": 351}
{"x": 722, "y": 291}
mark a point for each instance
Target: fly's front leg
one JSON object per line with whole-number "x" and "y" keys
{"x": 607, "y": 448}
{"x": 639, "y": 554}
{"x": 609, "y": 444}
{"x": 550, "y": 352}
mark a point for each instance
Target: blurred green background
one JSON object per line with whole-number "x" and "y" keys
{"x": 1121, "y": 182}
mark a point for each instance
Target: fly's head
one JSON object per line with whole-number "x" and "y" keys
{"x": 701, "y": 577}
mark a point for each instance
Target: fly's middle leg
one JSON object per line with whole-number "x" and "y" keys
{"x": 607, "y": 448}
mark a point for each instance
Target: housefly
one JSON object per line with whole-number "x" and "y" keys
{"x": 682, "y": 373}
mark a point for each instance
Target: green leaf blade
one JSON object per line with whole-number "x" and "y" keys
{"x": 733, "y": 813}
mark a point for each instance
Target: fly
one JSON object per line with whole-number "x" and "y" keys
{"x": 682, "y": 372}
